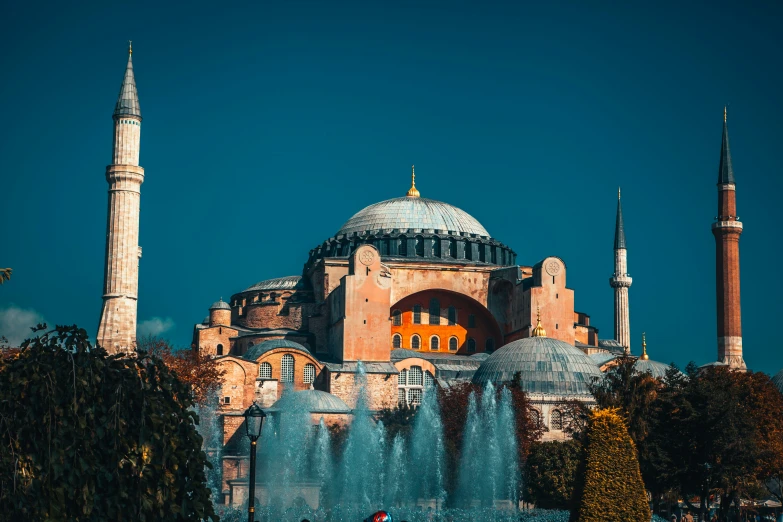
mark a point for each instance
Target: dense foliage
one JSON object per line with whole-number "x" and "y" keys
{"x": 202, "y": 374}
{"x": 612, "y": 489}
{"x": 550, "y": 473}
{"x": 85, "y": 436}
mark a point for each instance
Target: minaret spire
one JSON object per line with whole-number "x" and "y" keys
{"x": 727, "y": 230}
{"x": 128, "y": 100}
{"x": 621, "y": 282}
{"x": 117, "y": 329}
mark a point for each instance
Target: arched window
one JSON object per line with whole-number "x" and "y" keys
{"x": 414, "y": 396}
{"x": 535, "y": 416}
{"x": 557, "y": 420}
{"x": 471, "y": 345}
{"x": 402, "y": 249}
{"x": 453, "y": 344}
{"x": 434, "y": 311}
{"x": 219, "y": 349}
{"x": 453, "y": 248}
{"x": 397, "y": 317}
{"x": 416, "y": 314}
{"x": 402, "y": 378}
{"x": 265, "y": 370}
{"x": 401, "y": 398}
{"x": 452, "y": 316}
{"x": 489, "y": 346}
{"x": 428, "y": 380}
{"x": 436, "y": 247}
{"x": 419, "y": 246}
{"x": 309, "y": 373}
{"x": 434, "y": 343}
{"x": 415, "y": 342}
{"x": 396, "y": 341}
{"x": 468, "y": 250}
{"x": 415, "y": 376}
{"x": 287, "y": 368}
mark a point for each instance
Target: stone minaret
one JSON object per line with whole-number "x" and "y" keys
{"x": 620, "y": 281}
{"x": 727, "y": 229}
{"x": 117, "y": 330}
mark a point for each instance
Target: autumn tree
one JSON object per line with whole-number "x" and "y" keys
{"x": 88, "y": 436}
{"x": 721, "y": 433}
{"x": 202, "y": 374}
{"x": 5, "y": 275}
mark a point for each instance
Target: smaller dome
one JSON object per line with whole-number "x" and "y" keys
{"x": 777, "y": 380}
{"x": 258, "y": 350}
{"x": 546, "y": 365}
{"x": 206, "y": 320}
{"x": 220, "y": 305}
{"x": 312, "y": 401}
{"x": 654, "y": 368}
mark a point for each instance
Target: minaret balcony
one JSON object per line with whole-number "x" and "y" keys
{"x": 734, "y": 224}
{"x": 623, "y": 281}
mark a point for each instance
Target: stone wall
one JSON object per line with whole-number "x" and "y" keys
{"x": 381, "y": 389}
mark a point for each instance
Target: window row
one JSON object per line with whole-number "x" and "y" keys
{"x": 419, "y": 246}
{"x": 415, "y": 343}
{"x": 555, "y": 419}
{"x": 287, "y": 370}
{"x": 434, "y": 315}
{"x": 130, "y": 122}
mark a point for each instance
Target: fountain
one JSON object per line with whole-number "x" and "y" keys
{"x": 302, "y": 477}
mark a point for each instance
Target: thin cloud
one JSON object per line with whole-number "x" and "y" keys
{"x": 15, "y": 323}
{"x": 155, "y": 326}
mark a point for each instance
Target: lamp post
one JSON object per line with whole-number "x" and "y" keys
{"x": 254, "y": 419}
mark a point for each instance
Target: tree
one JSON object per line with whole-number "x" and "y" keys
{"x": 612, "y": 490}
{"x": 721, "y": 433}
{"x": 202, "y": 374}
{"x": 88, "y": 436}
{"x": 550, "y": 473}
{"x": 5, "y": 275}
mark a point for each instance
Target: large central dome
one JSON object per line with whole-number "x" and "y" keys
{"x": 413, "y": 213}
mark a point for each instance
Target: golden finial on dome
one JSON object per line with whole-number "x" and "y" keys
{"x": 130, "y": 47}
{"x": 538, "y": 331}
{"x": 644, "y": 356}
{"x": 413, "y": 192}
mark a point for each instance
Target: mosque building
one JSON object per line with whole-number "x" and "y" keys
{"x": 409, "y": 291}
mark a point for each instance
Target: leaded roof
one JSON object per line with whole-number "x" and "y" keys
{"x": 220, "y": 305}
{"x": 725, "y": 170}
{"x": 256, "y": 351}
{"x": 546, "y": 366}
{"x": 312, "y": 401}
{"x": 654, "y": 368}
{"x": 602, "y": 358}
{"x": 412, "y": 213}
{"x": 278, "y": 283}
{"x": 128, "y": 100}
{"x": 619, "y": 228}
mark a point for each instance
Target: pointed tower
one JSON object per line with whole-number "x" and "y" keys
{"x": 117, "y": 329}
{"x": 621, "y": 282}
{"x": 727, "y": 230}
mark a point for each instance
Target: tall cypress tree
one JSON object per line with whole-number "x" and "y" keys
{"x": 612, "y": 489}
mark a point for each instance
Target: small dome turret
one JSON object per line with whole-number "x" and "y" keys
{"x": 220, "y": 313}
{"x": 220, "y": 305}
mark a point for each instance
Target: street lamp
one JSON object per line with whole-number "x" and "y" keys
{"x": 254, "y": 419}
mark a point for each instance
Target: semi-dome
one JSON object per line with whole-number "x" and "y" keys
{"x": 311, "y": 401}
{"x": 256, "y": 351}
{"x": 654, "y": 368}
{"x": 412, "y": 214}
{"x": 277, "y": 283}
{"x": 777, "y": 380}
{"x": 546, "y": 365}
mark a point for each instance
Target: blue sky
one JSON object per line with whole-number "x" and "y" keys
{"x": 267, "y": 125}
